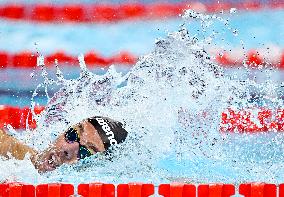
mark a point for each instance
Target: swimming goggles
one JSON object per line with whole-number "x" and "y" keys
{"x": 71, "y": 136}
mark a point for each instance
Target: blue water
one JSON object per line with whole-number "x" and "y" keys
{"x": 256, "y": 30}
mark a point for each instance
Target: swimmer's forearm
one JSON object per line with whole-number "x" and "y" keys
{"x": 10, "y": 145}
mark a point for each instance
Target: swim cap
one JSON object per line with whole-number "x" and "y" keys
{"x": 110, "y": 131}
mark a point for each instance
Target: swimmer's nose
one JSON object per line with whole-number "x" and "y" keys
{"x": 69, "y": 152}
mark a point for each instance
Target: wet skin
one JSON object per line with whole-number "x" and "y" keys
{"x": 63, "y": 152}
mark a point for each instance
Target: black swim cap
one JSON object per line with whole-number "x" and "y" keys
{"x": 110, "y": 131}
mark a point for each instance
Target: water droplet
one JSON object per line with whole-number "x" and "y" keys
{"x": 235, "y": 32}
{"x": 233, "y": 10}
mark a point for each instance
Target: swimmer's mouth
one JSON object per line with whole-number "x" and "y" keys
{"x": 52, "y": 163}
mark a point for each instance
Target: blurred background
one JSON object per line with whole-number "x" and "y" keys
{"x": 117, "y": 32}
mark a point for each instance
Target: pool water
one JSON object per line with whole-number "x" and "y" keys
{"x": 255, "y": 30}
{"x": 162, "y": 100}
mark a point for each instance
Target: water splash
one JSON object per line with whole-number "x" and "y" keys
{"x": 170, "y": 102}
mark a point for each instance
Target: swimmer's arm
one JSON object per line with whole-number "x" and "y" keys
{"x": 12, "y": 146}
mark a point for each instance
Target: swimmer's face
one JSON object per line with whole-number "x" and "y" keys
{"x": 64, "y": 151}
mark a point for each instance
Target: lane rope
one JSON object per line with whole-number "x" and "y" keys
{"x": 142, "y": 190}
{"x": 255, "y": 59}
{"x": 248, "y": 120}
{"x": 28, "y": 59}
{"x": 105, "y": 13}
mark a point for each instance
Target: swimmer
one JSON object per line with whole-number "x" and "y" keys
{"x": 90, "y": 136}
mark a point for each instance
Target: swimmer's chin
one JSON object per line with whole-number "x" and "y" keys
{"x": 46, "y": 167}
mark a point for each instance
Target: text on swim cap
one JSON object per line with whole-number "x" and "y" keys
{"x": 107, "y": 130}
